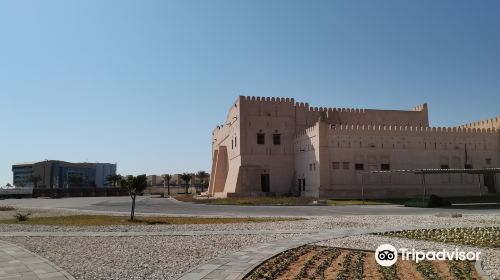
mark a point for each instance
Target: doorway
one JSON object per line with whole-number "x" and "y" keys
{"x": 300, "y": 187}
{"x": 489, "y": 182}
{"x": 264, "y": 182}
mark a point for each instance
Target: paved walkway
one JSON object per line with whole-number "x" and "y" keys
{"x": 17, "y": 263}
{"x": 238, "y": 264}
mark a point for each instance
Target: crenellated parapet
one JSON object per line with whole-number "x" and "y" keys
{"x": 335, "y": 110}
{"x": 420, "y": 108}
{"x": 267, "y": 99}
{"x": 303, "y": 105}
{"x": 488, "y": 123}
{"x": 307, "y": 107}
{"x": 409, "y": 129}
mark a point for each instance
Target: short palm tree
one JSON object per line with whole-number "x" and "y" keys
{"x": 202, "y": 176}
{"x": 166, "y": 181}
{"x": 134, "y": 185}
{"x": 113, "y": 179}
{"x": 186, "y": 177}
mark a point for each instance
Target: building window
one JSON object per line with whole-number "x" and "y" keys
{"x": 385, "y": 167}
{"x": 235, "y": 142}
{"x": 335, "y": 165}
{"x": 359, "y": 166}
{"x": 488, "y": 161}
{"x": 310, "y": 167}
{"x": 445, "y": 166}
{"x": 232, "y": 144}
{"x": 314, "y": 166}
{"x": 345, "y": 165}
{"x": 468, "y": 166}
{"x": 276, "y": 139}
{"x": 261, "y": 138}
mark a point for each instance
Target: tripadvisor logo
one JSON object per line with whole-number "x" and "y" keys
{"x": 387, "y": 255}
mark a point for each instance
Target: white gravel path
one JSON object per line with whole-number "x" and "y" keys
{"x": 151, "y": 257}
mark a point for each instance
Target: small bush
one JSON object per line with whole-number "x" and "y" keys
{"x": 6, "y": 208}
{"x": 21, "y": 217}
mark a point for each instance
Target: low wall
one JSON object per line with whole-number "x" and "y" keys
{"x": 79, "y": 192}
{"x": 251, "y": 194}
{"x": 398, "y": 191}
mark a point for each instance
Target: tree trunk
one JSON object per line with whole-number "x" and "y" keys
{"x": 187, "y": 184}
{"x": 132, "y": 211}
{"x": 168, "y": 188}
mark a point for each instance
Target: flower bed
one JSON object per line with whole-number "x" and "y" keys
{"x": 319, "y": 262}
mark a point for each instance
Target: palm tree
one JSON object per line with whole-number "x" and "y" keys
{"x": 134, "y": 185}
{"x": 35, "y": 179}
{"x": 186, "y": 177}
{"x": 166, "y": 180}
{"x": 113, "y": 179}
{"x": 202, "y": 175}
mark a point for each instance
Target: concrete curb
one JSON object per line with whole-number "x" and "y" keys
{"x": 480, "y": 271}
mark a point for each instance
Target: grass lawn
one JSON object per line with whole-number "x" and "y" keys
{"x": 342, "y": 202}
{"x": 280, "y": 200}
{"x": 473, "y": 236}
{"x": 102, "y": 220}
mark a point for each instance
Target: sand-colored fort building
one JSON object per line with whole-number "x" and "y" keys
{"x": 277, "y": 145}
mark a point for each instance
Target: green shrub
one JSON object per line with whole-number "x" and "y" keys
{"x": 21, "y": 217}
{"x": 7, "y": 208}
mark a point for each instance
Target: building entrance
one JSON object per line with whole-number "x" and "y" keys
{"x": 264, "y": 182}
{"x": 489, "y": 182}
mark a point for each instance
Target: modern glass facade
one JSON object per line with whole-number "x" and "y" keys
{"x": 21, "y": 175}
{"x": 60, "y": 174}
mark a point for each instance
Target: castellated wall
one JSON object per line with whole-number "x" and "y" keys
{"x": 343, "y": 152}
{"x": 493, "y": 123}
{"x": 315, "y": 141}
{"x": 307, "y": 116}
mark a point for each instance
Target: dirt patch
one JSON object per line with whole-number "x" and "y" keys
{"x": 296, "y": 266}
{"x": 443, "y": 269}
{"x": 407, "y": 270}
{"x": 370, "y": 270}
{"x": 336, "y": 266}
{"x": 314, "y": 266}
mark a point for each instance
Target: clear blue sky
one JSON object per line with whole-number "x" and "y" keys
{"x": 142, "y": 83}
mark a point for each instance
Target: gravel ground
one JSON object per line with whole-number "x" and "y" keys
{"x": 168, "y": 257}
{"x": 311, "y": 223}
{"x": 150, "y": 257}
{"x": 489, "y": 256}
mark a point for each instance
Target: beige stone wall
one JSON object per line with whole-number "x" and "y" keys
{"x": 307, "y": 161}
{"x": 307, "y": 149}
{"x": 400, "y": 148}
